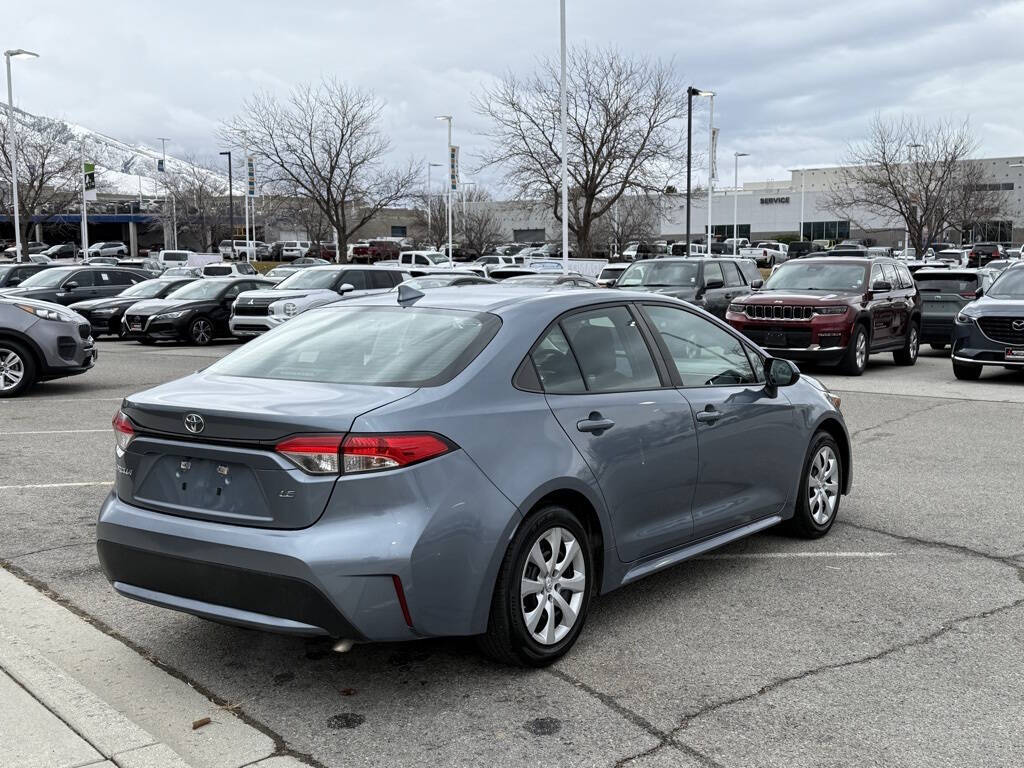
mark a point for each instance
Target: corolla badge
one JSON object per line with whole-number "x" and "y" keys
{"x": 194, "y": 423}
{"x": 1018, "y": 325}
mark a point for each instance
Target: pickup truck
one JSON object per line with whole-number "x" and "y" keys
{"x": 735, "y": 242}
{"x": 766, "y": 253}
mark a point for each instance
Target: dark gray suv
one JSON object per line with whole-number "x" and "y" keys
{"x": 464, "y": 461}
{"x": 66, "y": 285}
{"x": 40, "y": 341}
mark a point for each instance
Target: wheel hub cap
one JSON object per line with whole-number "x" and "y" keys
{"x": 553, "y": 585}
{"x": 823, "y": 485}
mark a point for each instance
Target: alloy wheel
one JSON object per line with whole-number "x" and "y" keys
{"x": 12, "y": 369}
{"x": 823, "y": 485}
{"x": 202, "y": 332}
{"x": 862, "y": 350}
{"x": 553, "y": 584}
{"x": 913, "y": 343}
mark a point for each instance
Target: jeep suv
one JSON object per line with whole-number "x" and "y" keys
{"x": 834, "y": 310}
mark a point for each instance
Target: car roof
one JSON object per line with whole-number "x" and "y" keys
{"x": 339, "y": 267}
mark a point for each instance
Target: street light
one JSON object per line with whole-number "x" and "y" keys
{"x": 231, "y": 201}
{"x": 449, "y": 119}
{"x": 736, "y": 195}
{"x": 17, "y": 53}
{"x": 565, "y": 161}
{"x": 906, "y": 228}
{"x": 690, "y": 93}
{"x": 174, "y": 203}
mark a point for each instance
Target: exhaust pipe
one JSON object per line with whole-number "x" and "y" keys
{"x": 343, "y": 646}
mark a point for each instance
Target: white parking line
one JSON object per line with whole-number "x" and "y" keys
{"x": 777, "y": 555}
{"x": 53, "y": 485}
{"x": 48, "y": 400}
{"x": 55, "y": 432}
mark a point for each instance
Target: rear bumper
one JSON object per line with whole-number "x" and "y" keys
{"x": 937, "y": 330}
{"x": 440, "y": 527}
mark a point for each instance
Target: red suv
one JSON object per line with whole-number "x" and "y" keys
{"x": 834, "y": 310}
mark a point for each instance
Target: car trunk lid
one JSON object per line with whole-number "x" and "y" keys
{"x": 205, "y": 447}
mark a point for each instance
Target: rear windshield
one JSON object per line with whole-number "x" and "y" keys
{"x": 217, "y": 271}
{"x": 174, "y": 256}
{"x": 376, "y": 346}
{"x": 946, "y": 283}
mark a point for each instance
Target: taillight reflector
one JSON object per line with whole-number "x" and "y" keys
{"x": 123, "y": 431}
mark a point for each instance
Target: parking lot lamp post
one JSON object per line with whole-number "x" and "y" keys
{"x": 690, "y": 93}
{"x": 430, "y": 199}
{"x": 565, "y": 160}
{"x": 448, "y": 119}
{"x": 736, "y": 194}
{"x": 231, "y": 201}
{"x": 906, "y": 228}
{"x": 18, "y": 53}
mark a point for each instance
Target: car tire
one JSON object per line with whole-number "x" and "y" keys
{"x": 911, "y": 346}
{"x": 510, "y": 638}
{"x": 966, "y": 371}
{"x": 17, "y": 369}
{"x": 200, "y": 331}
{"x": 857, "y": 352}
{"x": 816, "y": 510}
{"x": 938, "y": 347}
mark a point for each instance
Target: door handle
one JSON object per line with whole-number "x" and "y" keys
{"x": 709, "y": 416}
{"x": 594, "y": 423}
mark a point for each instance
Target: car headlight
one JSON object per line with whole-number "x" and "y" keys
{"x": 172, "y": 315}
{"x": 963, "y": 318}
{"x": 45, "y": 312}
{"x": 104, "y": 312}
{"x": 830, "y": 310}
{"x": 738, "y": 308}
{"x": 290, "y": 309}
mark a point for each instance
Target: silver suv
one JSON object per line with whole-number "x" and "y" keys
{"x": 40, "y": 341}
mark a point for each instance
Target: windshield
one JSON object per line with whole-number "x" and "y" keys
{"x": 174, "y": 256}
{"x": 147, "y": 289}
{"x": 309, "y": 279}
{"x": 532, "y": 280}
{"x": 654, "y": 274}
{"x": 1009, "y": 285}
{"x": 946, "y": 283}
{"x": 377, "y": 346}
{"x": 46, "y": 278}
{"x": 200, "y": 289}
{"x": 808, "y": 276}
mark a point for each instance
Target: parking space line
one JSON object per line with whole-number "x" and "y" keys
{"x": 780, "y": 555}
{"x": 54, "y": 432}
{"x": 48, "y": 400}
{"x": 54, "y": 485}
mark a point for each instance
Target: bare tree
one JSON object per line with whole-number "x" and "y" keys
{"x": 48, "y": 166}
{"x": 633, "y": 217}
{"x": 431, "y": 218}
{"x": 325, "y": 143}
{"x": 622, "y": 134}
{"x": 915, "y": 175}
{"x": 200, "y": 203}
{"x": 477, "y": 218}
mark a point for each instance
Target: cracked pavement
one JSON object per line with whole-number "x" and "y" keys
{"x": 893, "y": 641}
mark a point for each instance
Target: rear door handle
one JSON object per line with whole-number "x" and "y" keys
{"x": 708, "y": 417}
{"x": 596, "y": 423}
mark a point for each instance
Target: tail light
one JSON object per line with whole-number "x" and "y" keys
{"x": 334, "y": 454}
{"x": 969, "y": 294}
{"x": 123, "y": 431}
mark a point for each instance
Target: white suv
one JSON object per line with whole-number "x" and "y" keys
{"x": 229, "y": 269}
{"x": 294, "y": 249}
{"x": 107, "y": 249}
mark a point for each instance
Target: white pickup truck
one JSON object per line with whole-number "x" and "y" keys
{"x": 767, "y": 253}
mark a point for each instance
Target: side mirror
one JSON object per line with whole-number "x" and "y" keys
{"x": 612, "y": 283}
{"x": 757, "y": 284}
{"x": 881, "y": 286}
{"x": 70, "y": 285}
{"x": 979, "y": 293}
{"x": 780, "y": 373}
{"x": 710, "y": 285}
{"x": 346, "y": 288}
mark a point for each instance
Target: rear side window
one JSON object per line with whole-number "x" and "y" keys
{"x": 246, "y": 269}
{"x": 356, "y": 278}
{"x": 713, "y": 271}
{"x": 379, "y": 280}
{"x": 556, "y": 366}
{"x": 610, "y": 350}
{"x": 372, "y": 346}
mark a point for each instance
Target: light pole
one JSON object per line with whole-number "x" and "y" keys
{"x": 906, "y": 227}
{"x": 231, "y": 201}
{"x": 803, "y": 188}
{"x": 565, "y": 161}
{"x": 711, "y": 169}
{"x": 430, "y": 196}
{"x": 690, "y": 93}
{"x": 448, "y": 119}
{"x": 167, "y": 192}
{"x": 17, "y": 53}
{"x": 736, "y": 195}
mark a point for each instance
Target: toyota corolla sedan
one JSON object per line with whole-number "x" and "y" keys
{"x": 990, "y": 331}
{"x": 466, "y": 461}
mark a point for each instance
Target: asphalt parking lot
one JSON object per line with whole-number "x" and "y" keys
{"x": 896, "y": 640}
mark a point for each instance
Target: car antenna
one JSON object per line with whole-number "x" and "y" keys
{"x": 407, "y": 295}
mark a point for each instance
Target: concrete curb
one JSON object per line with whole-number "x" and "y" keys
{"x": 127, "y": 708}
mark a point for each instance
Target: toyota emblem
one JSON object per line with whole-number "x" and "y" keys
{"x": 194, "y": 423}
{"x": 1018, "y": 325}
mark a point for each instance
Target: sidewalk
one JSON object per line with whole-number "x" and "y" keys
{"x": 71, "y": 696}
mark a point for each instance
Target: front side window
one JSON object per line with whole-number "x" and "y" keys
{"x": 713, "y": 271}
{"x": 610, "y": 350}
{"x": 732, "y": 275}
{"x": 354, "y": 277}
{"x": 704, "y": 354}
{"x": 83, "y": 279}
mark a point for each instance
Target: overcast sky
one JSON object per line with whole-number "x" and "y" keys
{"x": 796, "y": 80}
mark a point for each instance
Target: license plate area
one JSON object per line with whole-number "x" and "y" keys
{"x": 775, "y": 339}
{"x": 135, "y": 325}
{"x": 204, "y": 485}
{"x": 1014, "y": 354}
